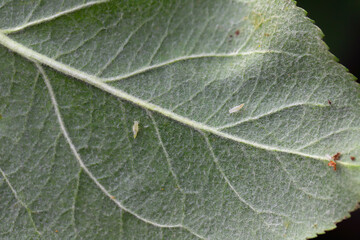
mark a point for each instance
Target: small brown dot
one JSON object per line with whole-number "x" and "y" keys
{"x": 231, "y": 36}
{"x": 237, "y": 32}
{"x": 329, "y": 102}
{"x": 352, "y": 158}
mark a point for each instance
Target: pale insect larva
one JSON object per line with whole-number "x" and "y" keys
{"x": 236, "y": 108}
{"x": 135, "y": 128}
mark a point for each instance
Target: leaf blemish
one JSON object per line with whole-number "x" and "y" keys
{"x": 236, "y": 108}
{"x": 257, "y": 19}
{"x": 332, "y": 164}
{"x": 336, "y": 156}
{"x": 135, "y": 128}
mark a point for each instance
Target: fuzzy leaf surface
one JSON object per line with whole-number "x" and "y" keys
{"x": 75, "y": 76}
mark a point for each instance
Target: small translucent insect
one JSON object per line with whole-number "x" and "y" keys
{"x": 236, "y": 108}
{"x": 135, "y": 128}
{"x": 332, "y": 164}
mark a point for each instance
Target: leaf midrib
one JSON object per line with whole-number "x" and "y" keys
{"x": 95, "y": 81}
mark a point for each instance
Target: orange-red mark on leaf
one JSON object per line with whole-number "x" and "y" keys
{"x": 332, "y": 164}
{"x": 352, "y": 158}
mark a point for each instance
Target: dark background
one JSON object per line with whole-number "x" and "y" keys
{"x": 340, "y": 22}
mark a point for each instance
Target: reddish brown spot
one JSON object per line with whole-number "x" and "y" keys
{"x": 332, "y": 164}
{"x": 336, "y": 156}
{"x": 329, "y": 102}
{"x": 237, "y": 32}
{"x": 352, "y": 158}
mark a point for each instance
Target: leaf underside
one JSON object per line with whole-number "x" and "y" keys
{"x": 72, "y": 169}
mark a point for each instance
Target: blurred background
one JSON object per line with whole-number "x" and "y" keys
{"x": 340, "y": 22}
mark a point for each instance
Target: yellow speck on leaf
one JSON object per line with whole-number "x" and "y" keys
{"x": 135, "y": 128}
{"x": 286, "y": 224}
{"x": 112, "y": 197}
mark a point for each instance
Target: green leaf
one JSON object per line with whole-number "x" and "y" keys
{"x": 71, "y": 167}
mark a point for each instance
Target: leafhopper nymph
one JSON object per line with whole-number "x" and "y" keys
{"x": 236, "y": 108}
{"x": 135, "y": 128}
